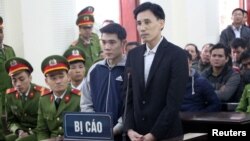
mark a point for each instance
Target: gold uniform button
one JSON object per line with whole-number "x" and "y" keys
{"x": 59, "y": 135}
{"x": 58, "y": 119}
{"x": 60, "y": 128}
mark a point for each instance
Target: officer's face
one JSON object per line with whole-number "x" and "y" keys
{"x": 112, "y": 46}
{"x": 149, "y": 27}
{"x": 57, "y": 81}
{"x": 1, "y": 35}
{"x": 85, "y": 31}
{"x": 76, "y": 72}
{"x": 21, "y": 81}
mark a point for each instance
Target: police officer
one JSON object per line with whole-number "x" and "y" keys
{"x": 88, "y": 41}
{"x": 21, "y": 101}
{"x": 76, "y": 59}
{"x": 61, "y": 98}
{"x": 6, "y": 52}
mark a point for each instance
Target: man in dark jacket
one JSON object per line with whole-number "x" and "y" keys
{"x": 105, "y": 78}
{"x": 236, "y": 30}
{"x": 200, "y": 95}
{"x": 159, "y": 72}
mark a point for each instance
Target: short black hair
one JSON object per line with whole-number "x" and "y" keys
{"x": 244, "y": 55}
{"x": 237, "y": 9}
{"x": 154, "y": 8}
{"x": 114, "y": 28}
{"x": 238, "y": 42}
{"x": 221, "y": 46}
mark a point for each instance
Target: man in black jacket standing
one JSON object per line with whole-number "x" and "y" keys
{"x": 158, "y": 72}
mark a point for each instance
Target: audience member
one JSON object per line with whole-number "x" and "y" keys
{"x": 200, "y": 95}
{"x": 130, "y": 45}
{"x": 222, "y": 77}
{"x": 236, "y": 30}
{"x": 195, "y": 53}
{"x": 204, "y": 62}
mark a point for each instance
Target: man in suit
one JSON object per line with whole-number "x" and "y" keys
{"x": 60, "y": 99}
{"x": 6, "y": 52}
{"x": 21, "y": 101}
{"x": 157, "y": 72}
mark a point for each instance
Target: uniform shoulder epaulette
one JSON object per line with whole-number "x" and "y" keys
{"x": 46, "y": 92}
{"x": 7, "y": 46}
{"x": 75, "y": 91}
{"x": 10, "y": 90}
{"x": 40, "y": 88}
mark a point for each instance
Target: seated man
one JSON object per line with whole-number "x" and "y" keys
{"x": 221, "y": 75}
{"x": 62, "y": 98}
{"x": 200, "y": 95}
{"x": 21, "y": 101}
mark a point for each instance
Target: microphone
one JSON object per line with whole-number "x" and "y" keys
{"x": 128, "y": 72}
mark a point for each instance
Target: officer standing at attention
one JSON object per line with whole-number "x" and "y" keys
{"x": 76, "y": 59}
{"x": 21, "y": 101}
{"x": 60, "y": 99}
{"x": 6, "y": 52}
{"x": 88, "y": 41}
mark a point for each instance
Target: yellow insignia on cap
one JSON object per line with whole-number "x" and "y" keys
{"x": 86, "y": 18}
{"x": 13, "y": 63}
{"x": 75, "y": 52}
{"x": 52, "y": 62}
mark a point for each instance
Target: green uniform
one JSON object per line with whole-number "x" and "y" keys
{"x": 1, "y": 129}
{"x": 5, "y": 81}
{"x": 244, "y": 104}
{"x": 91, "y": 51}
{"x": 50, "y": 120}
{"x": 22, "y": 112}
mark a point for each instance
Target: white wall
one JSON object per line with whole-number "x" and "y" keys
{"x": 188, "y": 21}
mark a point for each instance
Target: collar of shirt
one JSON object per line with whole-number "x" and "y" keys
{"x": 79, "y": 87}
{"x": 27, "y": 93}
{"x": 152, "y": 51}
{"x": 55, "y": 96}
{"x": 236, "y": 29}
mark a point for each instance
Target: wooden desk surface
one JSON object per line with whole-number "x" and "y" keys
{"x": 216, "y": 117}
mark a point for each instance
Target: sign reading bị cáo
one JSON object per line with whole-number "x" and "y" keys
{"x": 89, "y": 126}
